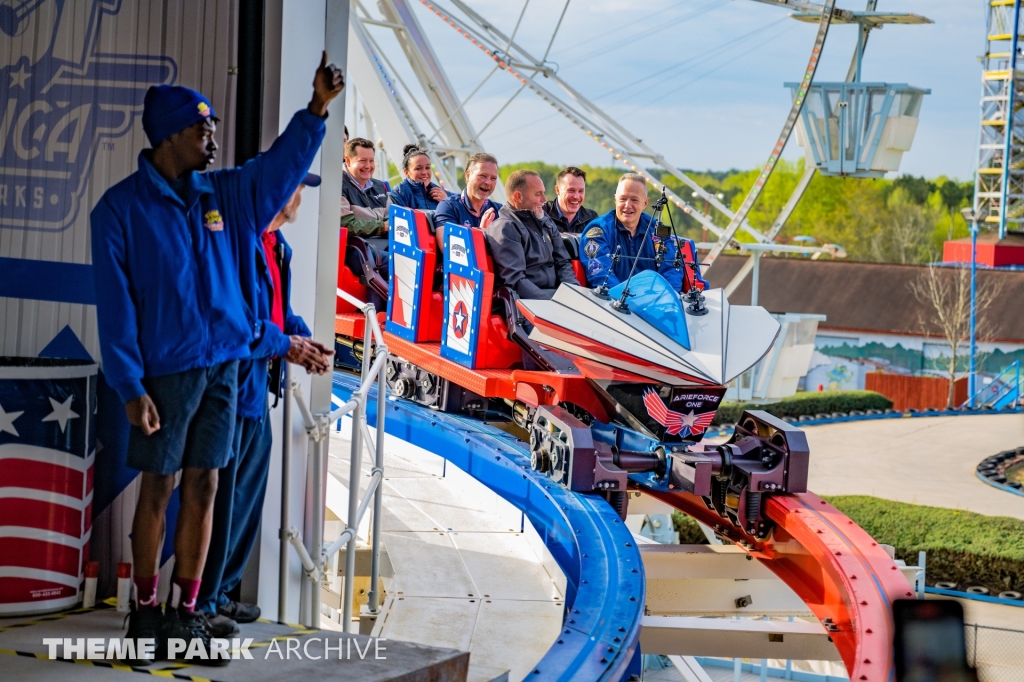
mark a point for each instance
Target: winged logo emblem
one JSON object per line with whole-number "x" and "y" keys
{"x": 676, "y": 423}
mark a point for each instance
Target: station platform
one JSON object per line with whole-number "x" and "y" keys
{"x": 469, "y": 571}
{"x": 276, "y": 654}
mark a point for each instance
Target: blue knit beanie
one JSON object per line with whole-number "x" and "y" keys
{"x": 169, "y": 109}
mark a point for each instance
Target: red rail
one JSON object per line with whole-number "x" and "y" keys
{"x": 840, "y": 572}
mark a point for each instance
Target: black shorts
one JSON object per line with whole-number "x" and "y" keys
{"x": 197, "y": 421}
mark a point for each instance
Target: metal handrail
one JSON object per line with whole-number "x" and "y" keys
{"x": 319, "y": 558}
{"x": 1008, "y": 389}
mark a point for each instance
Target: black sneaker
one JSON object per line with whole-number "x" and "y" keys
{"x": 220, "y": 625}
{"x": 145, "y": 623}
{"x": 240, "y": 611}
{"x": 187, "y": 626}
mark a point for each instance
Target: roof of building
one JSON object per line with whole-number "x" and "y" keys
{"x": 992, "y": 237}
{"x": 860, "y": 296}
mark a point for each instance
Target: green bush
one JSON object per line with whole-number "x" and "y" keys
{"x": 963, "y": 547}
{"x": 809, "y": 403}
{"x": 689, "y": 531}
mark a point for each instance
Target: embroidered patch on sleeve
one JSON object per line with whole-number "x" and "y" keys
{"x": 594, "y": 233}
{"x": 591, "y": 248}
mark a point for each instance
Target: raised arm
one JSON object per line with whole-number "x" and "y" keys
{"x": 271, "y": 177}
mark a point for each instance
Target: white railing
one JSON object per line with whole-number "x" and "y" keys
{"x": 316, "y": 560}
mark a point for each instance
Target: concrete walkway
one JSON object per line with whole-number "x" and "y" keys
{"x": 470, "y": 572}
{"x": 926, "y": 460}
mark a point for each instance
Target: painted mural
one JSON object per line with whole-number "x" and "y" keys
{"x": 840, "y": 362}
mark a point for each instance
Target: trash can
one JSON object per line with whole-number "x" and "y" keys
{"x": 47, "y": 450}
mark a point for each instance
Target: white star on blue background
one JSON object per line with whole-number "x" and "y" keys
{"x": 7, "y": 421}
{"x": 62, "y": 412}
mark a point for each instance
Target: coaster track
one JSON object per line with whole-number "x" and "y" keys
{"x": 845, "y": 578}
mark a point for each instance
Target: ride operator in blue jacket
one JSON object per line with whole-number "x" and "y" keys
{"x": 282, "y": 336}
{"x": 173, "y": 323}
{"x": 624, "y": 230}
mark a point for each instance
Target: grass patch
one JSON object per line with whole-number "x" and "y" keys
{"x": 807, "y": 403}
{"x": 1015, "y": 473}
{"x": 963, "y": 547}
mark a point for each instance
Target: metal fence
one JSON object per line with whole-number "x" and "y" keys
{"x": 316, "y": 559}
{"x": 997, "y": 653}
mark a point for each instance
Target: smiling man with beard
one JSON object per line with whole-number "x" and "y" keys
{"x": 567, "y": 209}
{"x": 528, "y": 251}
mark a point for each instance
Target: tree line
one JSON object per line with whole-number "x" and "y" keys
{"x": 900, "y": 220}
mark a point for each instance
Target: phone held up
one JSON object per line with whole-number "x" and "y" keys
{"x": 930, "y": 644}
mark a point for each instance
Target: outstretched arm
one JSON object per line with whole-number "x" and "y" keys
{"x": 328, "y": 83}
{"x": 270, "y": 179}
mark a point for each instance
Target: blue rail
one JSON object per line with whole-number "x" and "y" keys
{"x": 999, "y": 393}
{"x": 604, "y": 597}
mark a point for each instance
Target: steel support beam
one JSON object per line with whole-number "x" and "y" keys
{"x": 729, "y": 638}
{"x": 714, "y": 580}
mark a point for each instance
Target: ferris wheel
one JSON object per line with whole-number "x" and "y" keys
{"x": 851, "y": 128}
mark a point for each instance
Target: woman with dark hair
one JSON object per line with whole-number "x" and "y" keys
{"x": 417, "y": 191}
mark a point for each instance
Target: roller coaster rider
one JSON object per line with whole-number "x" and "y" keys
{"x": 528, "y": 252}
{"x": 567, "y": 209}
{"x": 417, "y": 191}
{"x": 612, "y": 242}
{"x": 364, "y": 199}
{"x": 473, "y": 207}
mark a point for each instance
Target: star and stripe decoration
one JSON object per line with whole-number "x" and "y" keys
{"x": 461, "y": 299}
{"x": 407, "y": 273}
{"x": 464, "y": 284}
{"x": 47, "y": 451}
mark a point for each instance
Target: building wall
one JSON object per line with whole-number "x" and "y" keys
{"x": 72, "y": 81}
{"x": 70, "y": 107}
{"x": 842, "y": 358}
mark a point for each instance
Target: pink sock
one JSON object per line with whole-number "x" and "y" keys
{"x": 145, "y": 590}
{"x": 184, "y": 593}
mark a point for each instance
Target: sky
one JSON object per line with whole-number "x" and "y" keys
{"x": 720, "y": 101}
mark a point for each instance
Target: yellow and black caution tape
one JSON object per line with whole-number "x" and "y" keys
{"x": 59, "y": 616}
{"x": 166, "y": 671}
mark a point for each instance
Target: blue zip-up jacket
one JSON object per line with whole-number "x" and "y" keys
{"x": 455, "y": 209}
{"x": 167, "y": 272}
{"x": 604, "y": 234}
{"x": 413, "y": 195}
{"x": 271, "y": 342}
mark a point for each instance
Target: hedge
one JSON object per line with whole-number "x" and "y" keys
{"x": 963, "y": 547}
{"x": 689, "y": 530}
{"x": 809, "y": 403}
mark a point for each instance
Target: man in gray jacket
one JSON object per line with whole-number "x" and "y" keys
{"x": 527, "y": 248}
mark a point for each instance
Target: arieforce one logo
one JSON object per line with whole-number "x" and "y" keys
{"x": 61, "y": 99}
